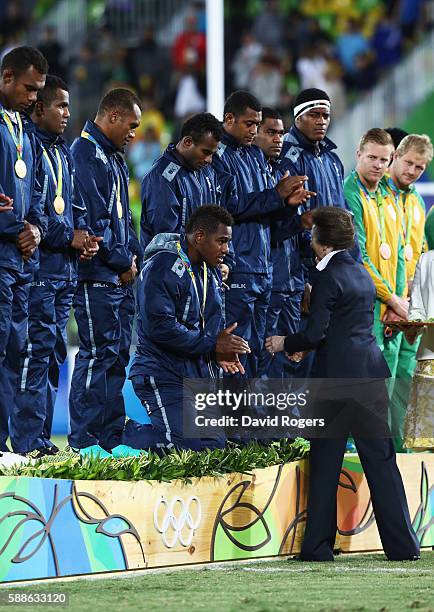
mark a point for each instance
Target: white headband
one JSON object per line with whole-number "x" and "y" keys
{"x": 307, "y": 106}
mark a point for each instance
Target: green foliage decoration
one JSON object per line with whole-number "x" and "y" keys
{"x": 175, "y": 465}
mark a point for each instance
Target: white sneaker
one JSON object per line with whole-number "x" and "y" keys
{"x": 11, "y": 459}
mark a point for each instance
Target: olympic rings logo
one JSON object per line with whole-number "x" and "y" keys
{"x": 178, "y": 523}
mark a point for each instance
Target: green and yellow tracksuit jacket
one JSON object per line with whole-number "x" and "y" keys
{"x": 389, "y": 275}
{"x": 412, "y": 214}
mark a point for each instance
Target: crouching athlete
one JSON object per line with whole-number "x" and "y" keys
{"x": 181, "y": 327}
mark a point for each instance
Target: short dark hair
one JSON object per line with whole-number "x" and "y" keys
{"x": 201, "y": 124}
{"x": 376, "y": 136}
{"x": 239, "y": 101}
{"x": 270, "y": 113}
{"x": 52, "y": 84}
{"x": 21, "y": 58}
{"x": 118, "y": 99}
{"x": 396, "y": 134}
{"x": 333, "y": 227}
{"x": 208, "y": 218}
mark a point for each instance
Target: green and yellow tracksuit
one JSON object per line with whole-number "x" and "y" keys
{"x": 412, "y": 211}
{"x": 377, "y": 221}
{"x": 411, "y": 208}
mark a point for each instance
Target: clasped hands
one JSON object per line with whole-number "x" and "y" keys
{"x": 276, "y": 344}
{"x": 227, "y": 349}
{"x": 291, "y": 189}
{"x": 30, "y": 237}
{"x": 396, "y": 312}
{"x": 86, "y": 243}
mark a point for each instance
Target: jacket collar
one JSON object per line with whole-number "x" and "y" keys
{"x": 47, "y": 138}
{"x": 382, "y": 188}
{"x": 104, "y": 142}
{"x": 339, "y": 257}
{"x": 26, "y": 120}
{"x": 295, "y": 137}
{"x": 230, "y": 141}
{"x": 28, "y": 124}
{"x": 173, "y": 155}
{"x": 323, "y": 263}
{"x": 162, "y": 242}
{"x": 394, "y": 188}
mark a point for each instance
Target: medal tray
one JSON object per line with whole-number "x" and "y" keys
{"x": 409, "y": 323}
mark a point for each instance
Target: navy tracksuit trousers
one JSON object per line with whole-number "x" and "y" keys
{"x": 14, "y": 292}
{"x": 163, "y": 401}
{"x": 104, "y": 313}
{"x": 45, "y": 350}
{"x": 247, "y": 303}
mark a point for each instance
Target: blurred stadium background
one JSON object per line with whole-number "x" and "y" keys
{"x": 375, "y": 58}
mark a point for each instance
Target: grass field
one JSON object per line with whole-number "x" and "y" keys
{"x": 352, "y": 583}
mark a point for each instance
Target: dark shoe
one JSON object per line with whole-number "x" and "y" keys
{"x": 52, "y": 450}
{"x": 311, "y": 559}
{"x": 37, "y": 453}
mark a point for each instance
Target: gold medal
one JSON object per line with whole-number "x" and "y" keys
{"x": 385, "y": 250}
{"x": 408, "y": 252}
{"x": 20, "y": 168}
{"x": 119, "y": 207}
{"x": 59, "y": 204}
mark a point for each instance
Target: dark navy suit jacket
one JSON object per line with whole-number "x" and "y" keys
{"x": 340, "y": 323}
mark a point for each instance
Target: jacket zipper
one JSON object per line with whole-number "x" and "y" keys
{"x": 326, "y": 182}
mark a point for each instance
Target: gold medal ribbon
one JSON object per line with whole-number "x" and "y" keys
{"x": 17, "y": 141}
{"x": 118, "y": 196}
{"x": 184, "y": 258}
{"x": 377, "y": 196}
{"x": 398, "y": 193}
{"x": 58, "y": 180}
{"x": 407, "y": 228}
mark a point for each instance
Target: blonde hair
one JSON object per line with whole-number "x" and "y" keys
{"x": 377, "y": 136}
{"x": 420, "y": 143}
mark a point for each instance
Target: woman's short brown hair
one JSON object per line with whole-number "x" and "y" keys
{"x": 333, "y": 227}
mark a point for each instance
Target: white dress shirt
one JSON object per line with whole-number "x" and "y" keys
{"x": 324, "y": 261}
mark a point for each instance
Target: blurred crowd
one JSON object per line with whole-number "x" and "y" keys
{"x": 274, "y": 48}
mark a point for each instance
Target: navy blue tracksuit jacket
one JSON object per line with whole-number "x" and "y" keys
{"x": 104, "y": 309}
{"x": 50, "y": 299}
{"x": 280, "y": 311}
{"x": 325, "y": 172}
{"x": 15, "y": 275}
{"x": 250, "y": 200}
{"x": 171, "y": 191}
{"x": 172, "y": 343}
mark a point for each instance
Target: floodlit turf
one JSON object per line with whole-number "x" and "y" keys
{"x": 352, "y": 583}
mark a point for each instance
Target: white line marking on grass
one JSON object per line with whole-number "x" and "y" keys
{"x": 337, "y": 568}
{"x": 382, "y": 570}
{"x": 271, "y": 570}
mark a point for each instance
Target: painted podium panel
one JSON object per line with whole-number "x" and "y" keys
{"x": 55, "y": 528}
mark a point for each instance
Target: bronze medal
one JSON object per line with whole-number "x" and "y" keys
{"x": 20, "y": 168}
{"x": 59, "y": 204}
{"x": 385, "y": 250}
